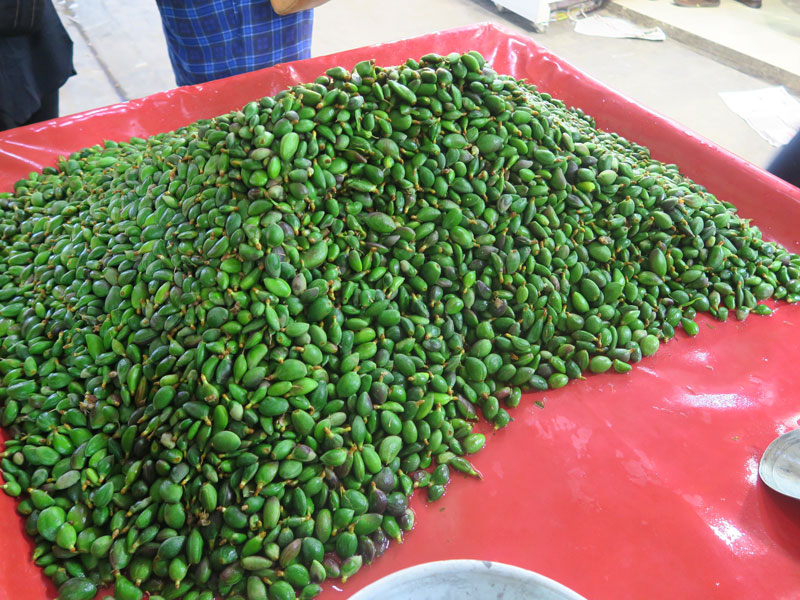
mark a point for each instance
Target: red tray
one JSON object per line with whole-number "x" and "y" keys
{"x": 642, "y": 485}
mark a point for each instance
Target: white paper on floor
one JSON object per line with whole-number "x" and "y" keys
{"x": 612, "y": 27}
{"x": 772, "y": 112}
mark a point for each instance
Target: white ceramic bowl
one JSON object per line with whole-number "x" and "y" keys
{"x": 465, "y": 580}
{"x": 779, "y": 467}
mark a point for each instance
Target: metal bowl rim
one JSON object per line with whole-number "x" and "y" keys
{"x": 466, "y": 567}
{"x": 767, "y": 463}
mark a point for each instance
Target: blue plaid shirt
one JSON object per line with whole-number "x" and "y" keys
{"x": 210, "y": 39}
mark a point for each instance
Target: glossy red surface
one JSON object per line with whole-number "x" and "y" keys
{"x": 642, "y": 485}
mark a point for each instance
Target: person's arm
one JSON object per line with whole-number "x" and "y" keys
{"x": 21, "y": 17}
{"x": 786, "y": 164}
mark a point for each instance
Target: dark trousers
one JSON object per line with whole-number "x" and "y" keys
{"x": 48, "y": 110}
{"x": 786, "y": 164}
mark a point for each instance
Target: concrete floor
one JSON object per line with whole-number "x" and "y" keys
{"x": 763, "y": 41}
{"x": 120, "y": 54}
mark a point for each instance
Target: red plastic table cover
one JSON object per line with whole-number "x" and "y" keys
{"x": 642, "y": 485}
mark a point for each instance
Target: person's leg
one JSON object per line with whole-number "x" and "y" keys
{"x": 786, "y": 163}
{"x": 6, "y": 122}
{"x": 711, "y": 3}
{"x": 696, "y": 3}
{"x": 47, "y": 110}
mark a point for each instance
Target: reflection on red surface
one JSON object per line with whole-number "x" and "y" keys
{"x": 642, "y": 485}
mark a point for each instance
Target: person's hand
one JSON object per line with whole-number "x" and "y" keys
{"x": 287, "y": 7}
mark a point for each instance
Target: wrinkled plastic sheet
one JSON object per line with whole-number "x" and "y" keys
{"x": 642, "y": 485}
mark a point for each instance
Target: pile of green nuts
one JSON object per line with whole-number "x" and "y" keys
{"x": 230, "y": 353}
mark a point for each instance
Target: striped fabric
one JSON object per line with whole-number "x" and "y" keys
{"x": 21, "y": 17}
{"x": 210, "y": 39}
